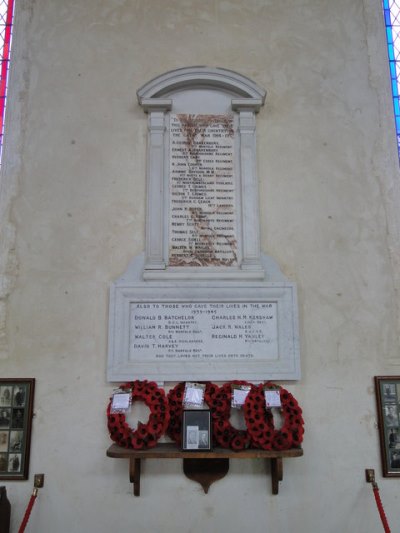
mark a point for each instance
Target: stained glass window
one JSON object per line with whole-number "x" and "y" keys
{"x": 6, "y": 18}
{"x": 391, "y": 10}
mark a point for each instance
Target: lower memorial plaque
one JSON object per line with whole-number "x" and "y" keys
{"x": 221, "y": 332}
{"x": 203, "y": 331}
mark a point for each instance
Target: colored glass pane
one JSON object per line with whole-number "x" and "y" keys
{"x": 6, "y": 16}
{"x": 391, "y": 12}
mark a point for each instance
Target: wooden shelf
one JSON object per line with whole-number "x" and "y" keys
{"x": 205, "y": 467}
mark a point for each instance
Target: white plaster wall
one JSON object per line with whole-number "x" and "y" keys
{"x": 72, "y": 216}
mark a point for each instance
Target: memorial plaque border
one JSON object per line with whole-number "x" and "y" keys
{"x": 202, "y": 275}
{"x": 123, "y": 366}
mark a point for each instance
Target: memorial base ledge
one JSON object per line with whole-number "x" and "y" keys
{"x": 149, "y": 275}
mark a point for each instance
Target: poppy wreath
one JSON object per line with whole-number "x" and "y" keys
{"x": 260, "y": 421}
{"x": 226, "y": 435}
{"x": 146, "y": 435}
{"x": 175, "y": 402}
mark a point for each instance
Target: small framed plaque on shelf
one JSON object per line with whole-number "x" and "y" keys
{"x": 196, "y": 428}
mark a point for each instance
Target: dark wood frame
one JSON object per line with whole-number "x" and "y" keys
{"x": 16, "y": 412}
{"x": 202, "y": 418}
{"x": 387, "y": 389}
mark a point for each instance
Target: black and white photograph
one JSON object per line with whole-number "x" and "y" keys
{"x": 389, "y": 392}
{"x": 17, "y": 420}
{"x": 19, "y": 396}
{"x": 192, "y": 437}
{"x": 3, "y": 462}
{"x": 5, "y": 417}
{"x": 387, "y": 398}
{"x": 204, "y": 439}
{"x": 196, "y": 429}
{"x": 16, "y": 439}
{"x": 5, "y": 396}
{"x": 393, "y": 437}
{"x": 14, "y": 462}
{"x": 395, "y": 459}
{"x": 4, "y": 441}
{"x": 391, "y": 414}
{"x": 16, "y": 412}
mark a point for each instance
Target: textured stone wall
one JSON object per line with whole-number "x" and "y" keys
{"x": 72, "y": 213}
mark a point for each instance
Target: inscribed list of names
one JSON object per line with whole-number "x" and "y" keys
{"x": 202, "y": 221}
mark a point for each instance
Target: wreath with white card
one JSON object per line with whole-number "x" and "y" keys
{"x": 260, "y": 421}
{"x": 225, "y": 434}
{"x": 146, "y": 434}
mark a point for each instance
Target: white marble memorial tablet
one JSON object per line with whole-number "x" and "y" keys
{"x": 196, "y": 332}
{"x": 202, "y": 303}
{"x": 204, "y": 331}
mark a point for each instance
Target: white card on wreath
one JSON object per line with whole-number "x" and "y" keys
{"x": 239, "y": 396}
{"x": 121, "y": 401}
{"x": 193, "y": 396}
{"x": 272, "y": 398}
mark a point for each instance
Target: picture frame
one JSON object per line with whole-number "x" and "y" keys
{"x": 387, "y": 389}
{"x": 196, "y": 430}
{"x": 16, "y": 412}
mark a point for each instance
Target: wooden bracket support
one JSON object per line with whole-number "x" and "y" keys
{"x": 203, "y": 467}
{"x": 134, "y": 474}
{"x": 276, "y": 473}
{"x": 205, "y": 471}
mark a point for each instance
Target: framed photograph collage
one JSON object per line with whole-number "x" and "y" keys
{"x": 388, "y": 404}
{"x": 16, "y": 410}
